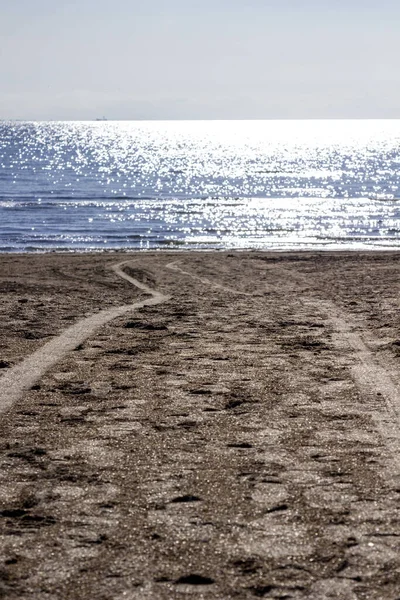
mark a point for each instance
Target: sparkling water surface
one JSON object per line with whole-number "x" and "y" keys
{"x": 199, "y": 184}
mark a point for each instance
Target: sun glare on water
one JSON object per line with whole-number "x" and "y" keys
{"x": 264, "y": 184}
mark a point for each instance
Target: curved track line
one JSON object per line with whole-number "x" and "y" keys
{"x": 173, "y": 266}
{"x": 21, "y": 377}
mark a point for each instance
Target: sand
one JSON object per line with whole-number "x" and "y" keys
{"x": 238, "y": 439}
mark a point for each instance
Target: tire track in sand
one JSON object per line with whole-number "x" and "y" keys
{"x": 20, "y": 378}
{"x": 173, "y": 267}
{"x": 371, "y": 378}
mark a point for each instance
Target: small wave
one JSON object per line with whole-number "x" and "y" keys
{"x": 384, "y": 199}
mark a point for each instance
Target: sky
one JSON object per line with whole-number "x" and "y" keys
{"x": 208, "y": 59}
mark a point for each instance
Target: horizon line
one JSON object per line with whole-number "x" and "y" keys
{"x": 112, "y": 120}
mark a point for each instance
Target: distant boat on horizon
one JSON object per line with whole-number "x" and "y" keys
{"x": 101, "y": 119}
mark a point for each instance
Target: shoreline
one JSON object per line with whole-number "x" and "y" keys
{"x": 238, "y": 440}
{"x": 176, "y": 249}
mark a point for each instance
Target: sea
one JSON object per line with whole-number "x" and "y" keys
{"x": 273, "y": 185}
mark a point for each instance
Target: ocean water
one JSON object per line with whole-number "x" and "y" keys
{"x": 199, "y": 184}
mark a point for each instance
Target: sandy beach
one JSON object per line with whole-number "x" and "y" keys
{"x": 228, "y": 429}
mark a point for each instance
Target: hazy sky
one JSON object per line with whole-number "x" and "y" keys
{"x": 189, "y": 59}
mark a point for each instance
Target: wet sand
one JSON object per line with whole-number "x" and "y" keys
{"x": 238, "y": 440}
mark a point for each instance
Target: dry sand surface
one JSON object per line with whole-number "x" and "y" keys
{"x": 238, "y": 439}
